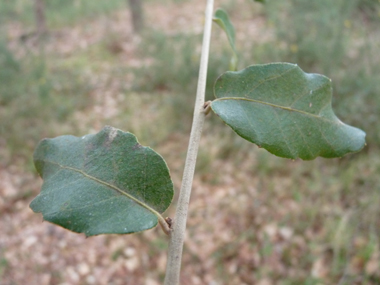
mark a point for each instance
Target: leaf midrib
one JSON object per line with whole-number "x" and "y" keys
{"x": 108, "y": 185}
{"x": 276, "y": 106}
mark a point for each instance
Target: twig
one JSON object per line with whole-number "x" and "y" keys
{"x": 179, "y": 224}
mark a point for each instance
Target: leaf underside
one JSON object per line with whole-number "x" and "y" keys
{"x": 101, "y": 183}
{"x": 284, "y": 110}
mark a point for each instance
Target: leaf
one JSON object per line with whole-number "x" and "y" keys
{"x": 102, "y": 183}
{"x": 261, "y": 1}
{"x": 221, "y": 18}
{"x": 284, "y": 110}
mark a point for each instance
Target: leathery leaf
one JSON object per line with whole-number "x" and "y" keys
{"x": 284, "y": 110}
{"x": 101, "y": 183}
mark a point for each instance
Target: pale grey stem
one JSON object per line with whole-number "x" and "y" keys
{"x": 177, "y": 235}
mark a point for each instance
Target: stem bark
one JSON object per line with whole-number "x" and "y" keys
{"x": 177, "y": 235}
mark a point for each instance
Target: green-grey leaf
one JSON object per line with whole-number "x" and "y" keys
{"x": 102, "y": 183}
{"x": 284, "y": 110}
{"x": 223, "y": 21}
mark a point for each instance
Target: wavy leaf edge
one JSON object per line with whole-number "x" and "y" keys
{"x": 326, "y": 113}
{"x": 37, "y": 207}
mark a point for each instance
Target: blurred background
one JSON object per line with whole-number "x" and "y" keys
{"x": 73, "y": 66}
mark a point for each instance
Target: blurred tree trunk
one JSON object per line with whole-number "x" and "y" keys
{"x": 137, "y": 15}
{"x": 39, "y": 11}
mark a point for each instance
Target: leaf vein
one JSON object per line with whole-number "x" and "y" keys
{"x": 304, "y": 139}
{"x": 272, "y": 78}
{"x": 83, "y": 207}
{"x": 279, "y": 107}
{"x": 248, "y": 120}
{"x": 283, "y": 134}
{"x": 312, "y": 91}
{"x": 108, "y": 185}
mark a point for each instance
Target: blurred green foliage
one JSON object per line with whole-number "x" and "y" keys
{"x": 34, "y": 99}
{"x": 58, "y": 12}
{"x": 174, "y": 69}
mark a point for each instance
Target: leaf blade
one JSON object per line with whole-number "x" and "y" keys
{"x": 284, "y": 110}
{"x": 102, "y": 183}
{"x": 223, "y": 21}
